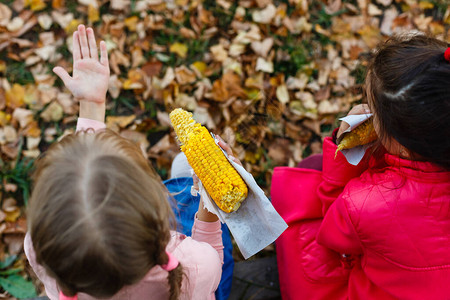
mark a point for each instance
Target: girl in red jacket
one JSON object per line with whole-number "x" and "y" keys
{"x": 381, "y": 229}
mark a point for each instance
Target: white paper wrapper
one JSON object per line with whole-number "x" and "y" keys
{"x": 256, "y": 224}
{"x": 354, "y": 155}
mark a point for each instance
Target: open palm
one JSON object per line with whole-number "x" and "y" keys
{"x": 89, "y": 81}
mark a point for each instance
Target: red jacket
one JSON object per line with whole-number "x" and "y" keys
{"x": 377, "y": 231}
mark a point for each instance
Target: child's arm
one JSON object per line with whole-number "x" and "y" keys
{"x": 90, "y": 78}
{"x": 337, "y": 172}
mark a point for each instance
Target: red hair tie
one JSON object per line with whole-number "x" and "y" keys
{"x": 64, "y": 297}
{"x": 172, "y": 263}
{"x": 447, "y": 54}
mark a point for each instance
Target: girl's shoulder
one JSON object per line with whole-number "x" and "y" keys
{"x": 191, "y": 252}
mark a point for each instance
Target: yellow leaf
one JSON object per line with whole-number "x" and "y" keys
{"x": 131, "y": 23}
{"x": 35, "y": 5}
{"x": 2, "y": 66}
{"x": 72, "y": 26}
{"x": 4, "y": 118}
{"x": 199, "y": 66}
{"x": 134, "y": 81}
{"x": 426, "y": 5}
{"x": 11, "y": 210}
{"x": 15, "y": 96}
{"x": 93, "y": 13}
{"x": 13, "y": 215}
{"x": 179, "y": 49}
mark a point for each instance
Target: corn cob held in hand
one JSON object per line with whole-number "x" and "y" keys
{"x": 221, "y": 180}
{"x": 361, "y": 135}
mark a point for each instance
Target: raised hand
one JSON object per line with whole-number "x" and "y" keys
{"x": 90, "y": 78}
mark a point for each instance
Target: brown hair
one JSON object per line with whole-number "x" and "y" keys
{"x": 99, "y": 216}
{"x": 408, "y": 89}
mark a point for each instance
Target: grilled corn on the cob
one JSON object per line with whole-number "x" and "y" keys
{"x": 221, "y": 180}
{"x": 361, "y": 135}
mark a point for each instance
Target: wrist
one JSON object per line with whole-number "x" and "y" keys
{"x": 204, "y": 215}
{"x": 92, "y": 110}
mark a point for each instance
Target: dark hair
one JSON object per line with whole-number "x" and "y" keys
{"x": 99, "y": 216}
{"x": 408, "y": 89}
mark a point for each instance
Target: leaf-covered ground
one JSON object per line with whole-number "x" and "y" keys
{"x": 269, "y": 76}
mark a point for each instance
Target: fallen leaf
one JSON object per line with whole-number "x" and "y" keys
{"x": 116, "y": 122}
{"x": 265, "y": 15}
{"x": 5, "y": 15}
{"x": 23, "y": 116}
{"x": 226, "y": 87}
{"x": 264, "y": 65}
{"x": 282, "y": 94}
{"x": 35, "y": 5}
{"x": 184, "y": 76}
{"x": 219, "y": 53}
{"x": 262, "y": 48}
{"x": 53, "y": 112}
{"x": 179, "y": 49}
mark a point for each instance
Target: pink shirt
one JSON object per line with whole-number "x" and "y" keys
{"x": 200, "y": 255}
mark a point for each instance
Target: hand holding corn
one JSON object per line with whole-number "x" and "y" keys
{"x": 361, "y": 135}
{"x": 221, "y": 180}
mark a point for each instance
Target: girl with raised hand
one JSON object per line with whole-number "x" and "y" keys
{"x": 381, "y": 229}
{"x": 99, "y": 218}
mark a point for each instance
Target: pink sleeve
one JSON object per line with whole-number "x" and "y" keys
{"x": 51, "y": 288}
{"x": 84, "y": 124}
{"x": 336, "y": 173}
{"x": 209, "y": 232}
{"x": 337, "y": 231}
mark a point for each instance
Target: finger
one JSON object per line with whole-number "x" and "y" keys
{"x": 76, "y": 51}
{"x": 224, "y": 146}
{"x": 103, "y": 54}
{"x": 235, "y": 160}
{"x": 359, "y": 109}
{"x": 195, "y": 180}
{"x": 92, "y": 43}
{"x": 65, "y": 77}
{"x": 83, "y": 41}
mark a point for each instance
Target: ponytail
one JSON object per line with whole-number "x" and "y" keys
{"x": 175, "y": 277}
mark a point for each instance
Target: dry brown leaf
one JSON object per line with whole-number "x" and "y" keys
{"x": 5, "y": 15}
{"x": 152, "y": 68}
{"x": 161, "y": 146}
{"x": 184, "y": 75}
{"x": 9, "y": 134}
{"x": 219, "y": 53}
{"x": 23, "y": 116}
{"x": 53, "y": 112}
{"x": 282, "y": 93}
{"x": 114, "y": 86}
{"x": 262, "y": 48}
{"x": 264, "y": 65}
{"x": 120, "y": 4}
{"x": 265, "y": 15}
{"x": 138, "y": 138}
{"x": 226, "y": 87}
{"x": 116, "y": 122}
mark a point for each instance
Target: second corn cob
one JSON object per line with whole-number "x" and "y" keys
{"x": 361, "y": 135}
{"x": 221, "y": 180}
